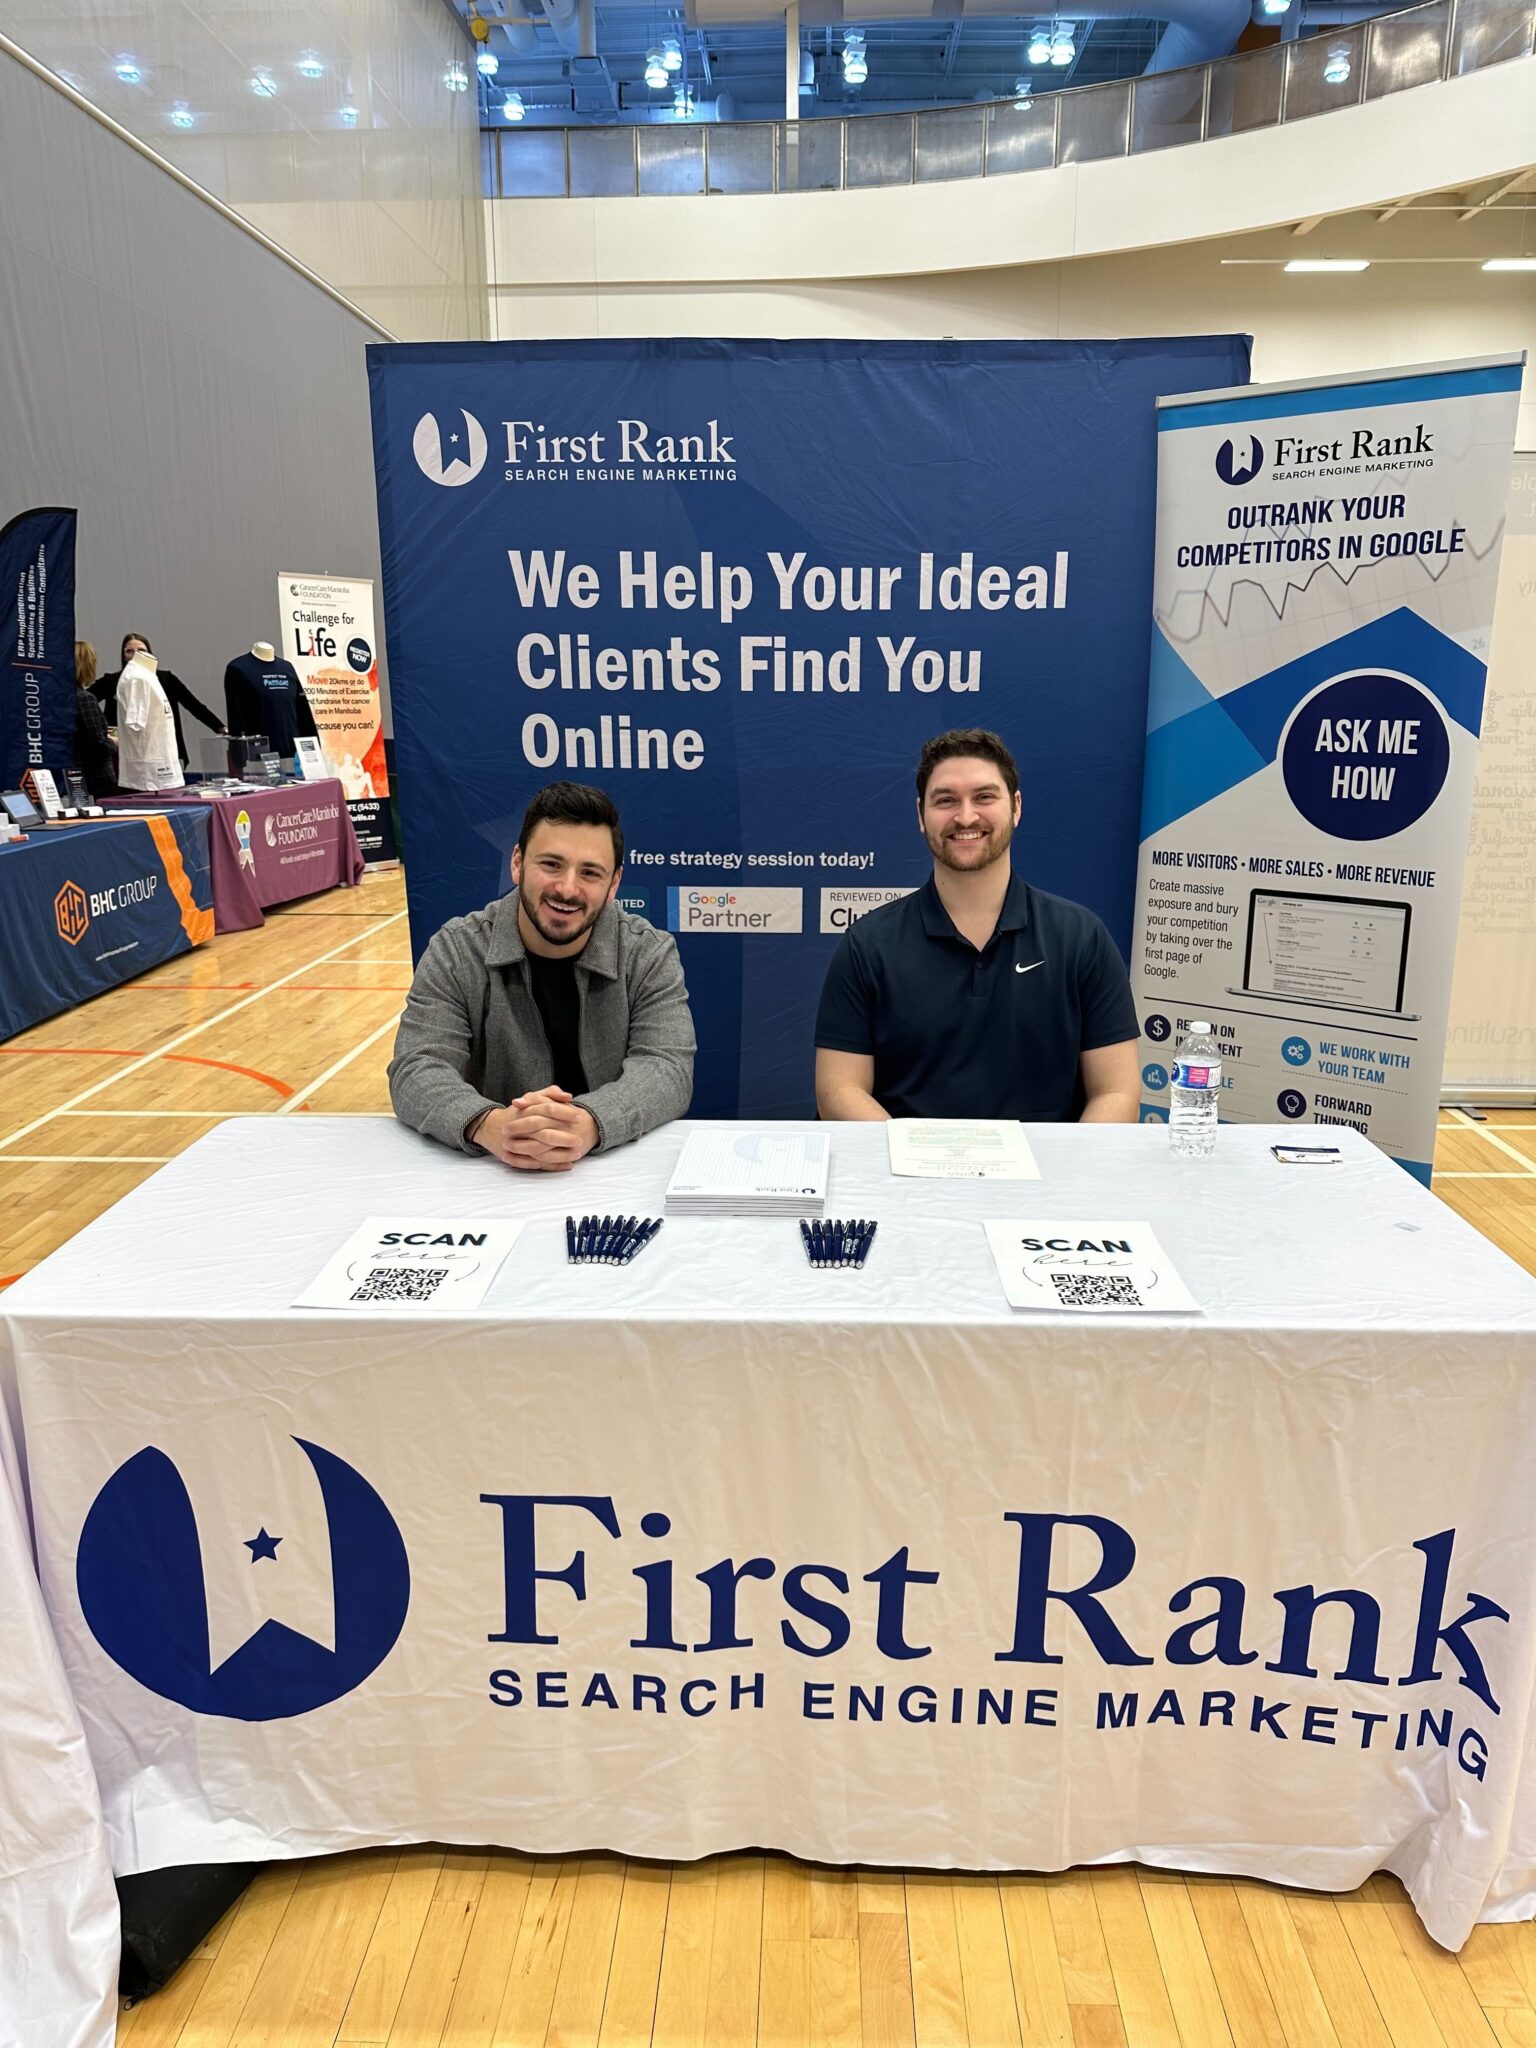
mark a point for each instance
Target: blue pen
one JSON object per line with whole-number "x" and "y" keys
{"x": 805, "y": 1238}
{"x": 818, "y": 1253}
{"x": 640, "y": 1240}
{"x": 621, "y": 1237}
{"x": 864, "y": 1244}
{"x": 600, "y": 1248}
{"x": 570, "y": 1240}
{"x": 611, "y": 1238}
{"x": 584, "y": 1243}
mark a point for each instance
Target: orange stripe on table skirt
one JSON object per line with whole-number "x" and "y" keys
{"x": 195, "y": 922}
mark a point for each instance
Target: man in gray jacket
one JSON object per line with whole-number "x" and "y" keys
{"x": 550, "y": 1024}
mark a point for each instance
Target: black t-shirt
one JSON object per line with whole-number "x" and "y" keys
{"x": 559, "y": 1001}
{"x": 267, "y": 697}
{"x": 961, "y": 1033}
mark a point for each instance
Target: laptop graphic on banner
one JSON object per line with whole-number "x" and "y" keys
{"x": 1329, "y": 952}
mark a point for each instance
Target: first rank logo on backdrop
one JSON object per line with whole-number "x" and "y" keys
{"x": 449, "y": 448}
{"x": 144, "y": 1593}
{"x": 1239, "y": 460}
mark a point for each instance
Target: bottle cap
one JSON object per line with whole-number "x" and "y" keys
{"x": 1199, "y": 1028}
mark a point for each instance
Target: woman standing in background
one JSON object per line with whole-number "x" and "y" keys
{"x": 180, "y": 697}
{"x": 94, "y": 758}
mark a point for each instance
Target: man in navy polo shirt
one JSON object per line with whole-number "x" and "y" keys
{"x": 977, "y": 995}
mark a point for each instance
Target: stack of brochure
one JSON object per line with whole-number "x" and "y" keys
{"x": 737, "y": 1172}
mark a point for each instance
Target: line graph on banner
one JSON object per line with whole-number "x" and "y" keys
{"x": 1470, "y": 555}
{"x": 1327, "y": 598}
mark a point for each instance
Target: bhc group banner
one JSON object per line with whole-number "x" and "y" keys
{"x": 1327, "y": 556}
{"x": 738, "y": 584}
{"x": 329, "y": 638}
{"x": 37, "y": 692}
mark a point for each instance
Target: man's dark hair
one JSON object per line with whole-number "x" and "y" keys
{"x": 972, "y": 741}
{"x": 573, "y": 803}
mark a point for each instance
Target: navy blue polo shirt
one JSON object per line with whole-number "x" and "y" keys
{"x": 995, "y": 1033}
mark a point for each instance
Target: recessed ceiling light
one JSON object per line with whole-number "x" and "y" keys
{"x": 512, "y": 108}
{"x": 182, "y": 115}
{"x": 1327, "y": 263}
{"x": 128, "y": 70}
{"x": 310, "y": 66}
{"x": 264, "y": 85}
{"x": 349, "y": 117}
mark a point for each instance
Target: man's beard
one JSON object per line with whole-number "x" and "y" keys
{"x": 993, "y": 848}
{"x": 559, "y": 938}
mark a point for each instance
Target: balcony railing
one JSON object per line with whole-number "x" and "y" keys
{"x": 1284, "y": 82}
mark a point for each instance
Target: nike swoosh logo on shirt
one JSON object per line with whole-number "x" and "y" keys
{"x": 1030, "y": 968}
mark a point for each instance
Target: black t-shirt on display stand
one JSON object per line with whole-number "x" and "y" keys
{"x": 267, "y": 697}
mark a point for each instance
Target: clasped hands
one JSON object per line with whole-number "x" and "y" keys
{"x": 542, "y": 1132}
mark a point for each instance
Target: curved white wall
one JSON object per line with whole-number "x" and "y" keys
{"x": 1038, "y": 267}
{"x": 1450, "y": 134}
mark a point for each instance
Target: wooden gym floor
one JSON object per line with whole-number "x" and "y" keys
{"x": 424, "y": 1948}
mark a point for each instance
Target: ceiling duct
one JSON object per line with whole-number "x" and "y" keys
{"x": 1195, "y": 30}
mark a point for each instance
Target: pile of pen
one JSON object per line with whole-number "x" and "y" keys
{"x": 838, "y": 1244}
{"x": 607, "y": 1240}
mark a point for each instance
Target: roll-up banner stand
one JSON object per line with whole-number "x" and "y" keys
{"x": 1490, "y": 1050}
{"x": 37, "y": 676}
{"x": 1326, "y": 563}
{"x": 328, "y": 635}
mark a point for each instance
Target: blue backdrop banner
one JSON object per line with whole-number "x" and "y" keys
{"x": 738, "y": 584}
{"x": 37, "y": 681}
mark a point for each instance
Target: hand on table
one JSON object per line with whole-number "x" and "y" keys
{"x": 544, "y": 1132}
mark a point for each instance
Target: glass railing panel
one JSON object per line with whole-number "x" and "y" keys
{"x": 951, "y": 143}
{"x": 1406, "y": 49}
{"x": 1021, "y": 136}
{"x": 532, "y": 163}
{"x": 1324, "y": 72}
{"x": 670, "y": 161}
{"x": 1092, "y": 123}
{"x": 1489, "y": 32}
{"x": 740, "y": 156}
{"x": 603, "y": 162}
{"x": 1167, "y": 109}
{"x": 879, "y": 150}
{"x": 811, "y": 156}
{"x": 1246, "y": 92}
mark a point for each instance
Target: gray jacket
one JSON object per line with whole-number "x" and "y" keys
{"x": 472, "y": 1038}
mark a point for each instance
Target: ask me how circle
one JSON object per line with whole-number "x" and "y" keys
{"x": 1366, "y": 755}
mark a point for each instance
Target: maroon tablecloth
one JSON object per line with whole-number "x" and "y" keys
{"x": 269, "y": 845}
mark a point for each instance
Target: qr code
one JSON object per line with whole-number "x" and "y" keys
{"x": 1095, "y": 1290}
{"x": 401, "y": 1283}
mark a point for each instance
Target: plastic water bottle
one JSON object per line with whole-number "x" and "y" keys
{"x": 1195, "y": 1092}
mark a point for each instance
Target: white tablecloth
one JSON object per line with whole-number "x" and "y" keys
{"x": 310, "y": 1544}
{"x": 59, "y": 1934}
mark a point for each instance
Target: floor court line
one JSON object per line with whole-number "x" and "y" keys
{"x": 207, "y": 1023}
{"x": 297, "y": 1101}
{"x": 1503, "y": 1145}
{"x": 109, "y": 1052}
{"x": 88, "y": 1159}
